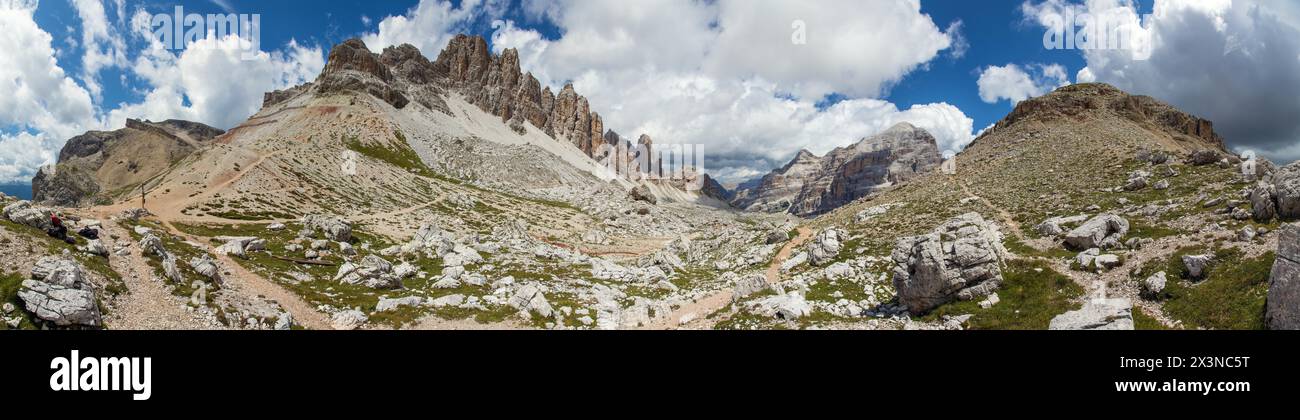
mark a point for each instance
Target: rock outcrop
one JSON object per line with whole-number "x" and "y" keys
{"x": 1280, "y": 198}
{"x": 826, "y": 245}
{"x": 962, "y": 259}
{"x": 497, "y": 86}
{"x": 811, "y": 185}
{"x": 373, "y": 272}
{"x": 1105, "y": 231}
{"x": 352, "y": 67}
{"x": 27, "y": 214}
{"x": 1097, "y": 314}
{"x": 333, "y": 228}
{"x": 1197, "y": 265}
{"x": 1283, "y": 302}
{"x": 1057, "y": 226}
{"x": 58, "y": 292}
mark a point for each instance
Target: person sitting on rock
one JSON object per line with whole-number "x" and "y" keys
{"x": 58, "y": 230}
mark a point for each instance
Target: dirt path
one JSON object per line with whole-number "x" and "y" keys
{"x": 1006, "y": 217}
{"x": 147, "y": 305}
{"x": 773, "y": 273}
{"x": 170, "y": 209}
{"x": 167, "y": 211}
{"x": 400, "y": 212}
{"x": 717, "y": 300}
{"x": 246, "y": 282}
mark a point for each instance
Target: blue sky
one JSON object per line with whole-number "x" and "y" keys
{"x": 717, "y": 73}
{"x": 994, "y": 29}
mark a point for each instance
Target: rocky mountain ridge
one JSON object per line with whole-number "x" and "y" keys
{"x": 100, "y": 166}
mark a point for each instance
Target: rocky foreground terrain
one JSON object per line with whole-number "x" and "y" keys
{"x": 396, "y": 192}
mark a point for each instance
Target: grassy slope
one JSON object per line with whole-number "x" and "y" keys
{"x": 1230, "y": 297}
{"x": 1031, "y": 295}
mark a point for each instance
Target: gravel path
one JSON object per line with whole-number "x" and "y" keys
{"x": 147, "y": 305}
{"x": 245, "y": 282}
{"x": 715, "y": 301}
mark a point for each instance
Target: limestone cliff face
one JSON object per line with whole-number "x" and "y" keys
{"x": 494, "y": 83}
{"x": 497, "y": 86}
{"x": 352, "y": 67}
{"x": 100, "y": 166}
{"x": 777, "y": 190}
{"x": 811, "y": 185}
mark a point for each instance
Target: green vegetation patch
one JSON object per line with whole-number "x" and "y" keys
{"x": 9, "y": 285}
{"x": 1018, "y": 247}
{"x": 1231, "y": 296}
{"x": 1031, "y": 295}
{"x": 397, "y": 153}
{"x": 1142, "y": 321}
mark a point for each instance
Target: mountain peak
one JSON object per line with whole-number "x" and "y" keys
{"x": 811, "y": 185}
{"x": 1095, "y": 101}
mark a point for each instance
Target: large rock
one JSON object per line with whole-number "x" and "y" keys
{"x": 826, "y": 246}
{"x": 776, "y": 237}
{"x": 1204, "y": 157}
{"x": 373, "y": 272}
{"x": 1097, "y": 314}
{"x": 962, "y": 259}
{"x": 748, "y": 285}
{"x": 1263, "y": 202}
{"x": 94, "y": 247}
{"x": 170, "y": 269}
{"x": 1197, "y": 265}
{"x": 1056, "y": 226}
{"x": 1286, "y": 185}
{"x": 869, "y": 213}
{"x": 1153, "y": 287}
{"x": 239, "y": 245}
{"x": 27, "y": 214}
{"x": 58, "y": 292}
{"x": 150, "y": 244}
{"x": 64, "y": 306}
{"x": 529, "y": 298}
{"x": 1283, "y": 303}
{"x": 643, "y": 193}
{"x": 387, "y": 304}
{"x": 333, "y": 228}
{"x": 348, "y": 320}
{"x": 1137, "y": 180}
{"x": 206, "y": 267}
{"x": 60, "y": 272}
{"x": 787, "y": 306}
{"x": 1104, "y": 231}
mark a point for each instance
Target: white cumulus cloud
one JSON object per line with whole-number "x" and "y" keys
{"x": 1014, "y": 83}
{"x": 208, "y": 82}
{"x": 727, "y": 74}
{"x": 41, "y": 105}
